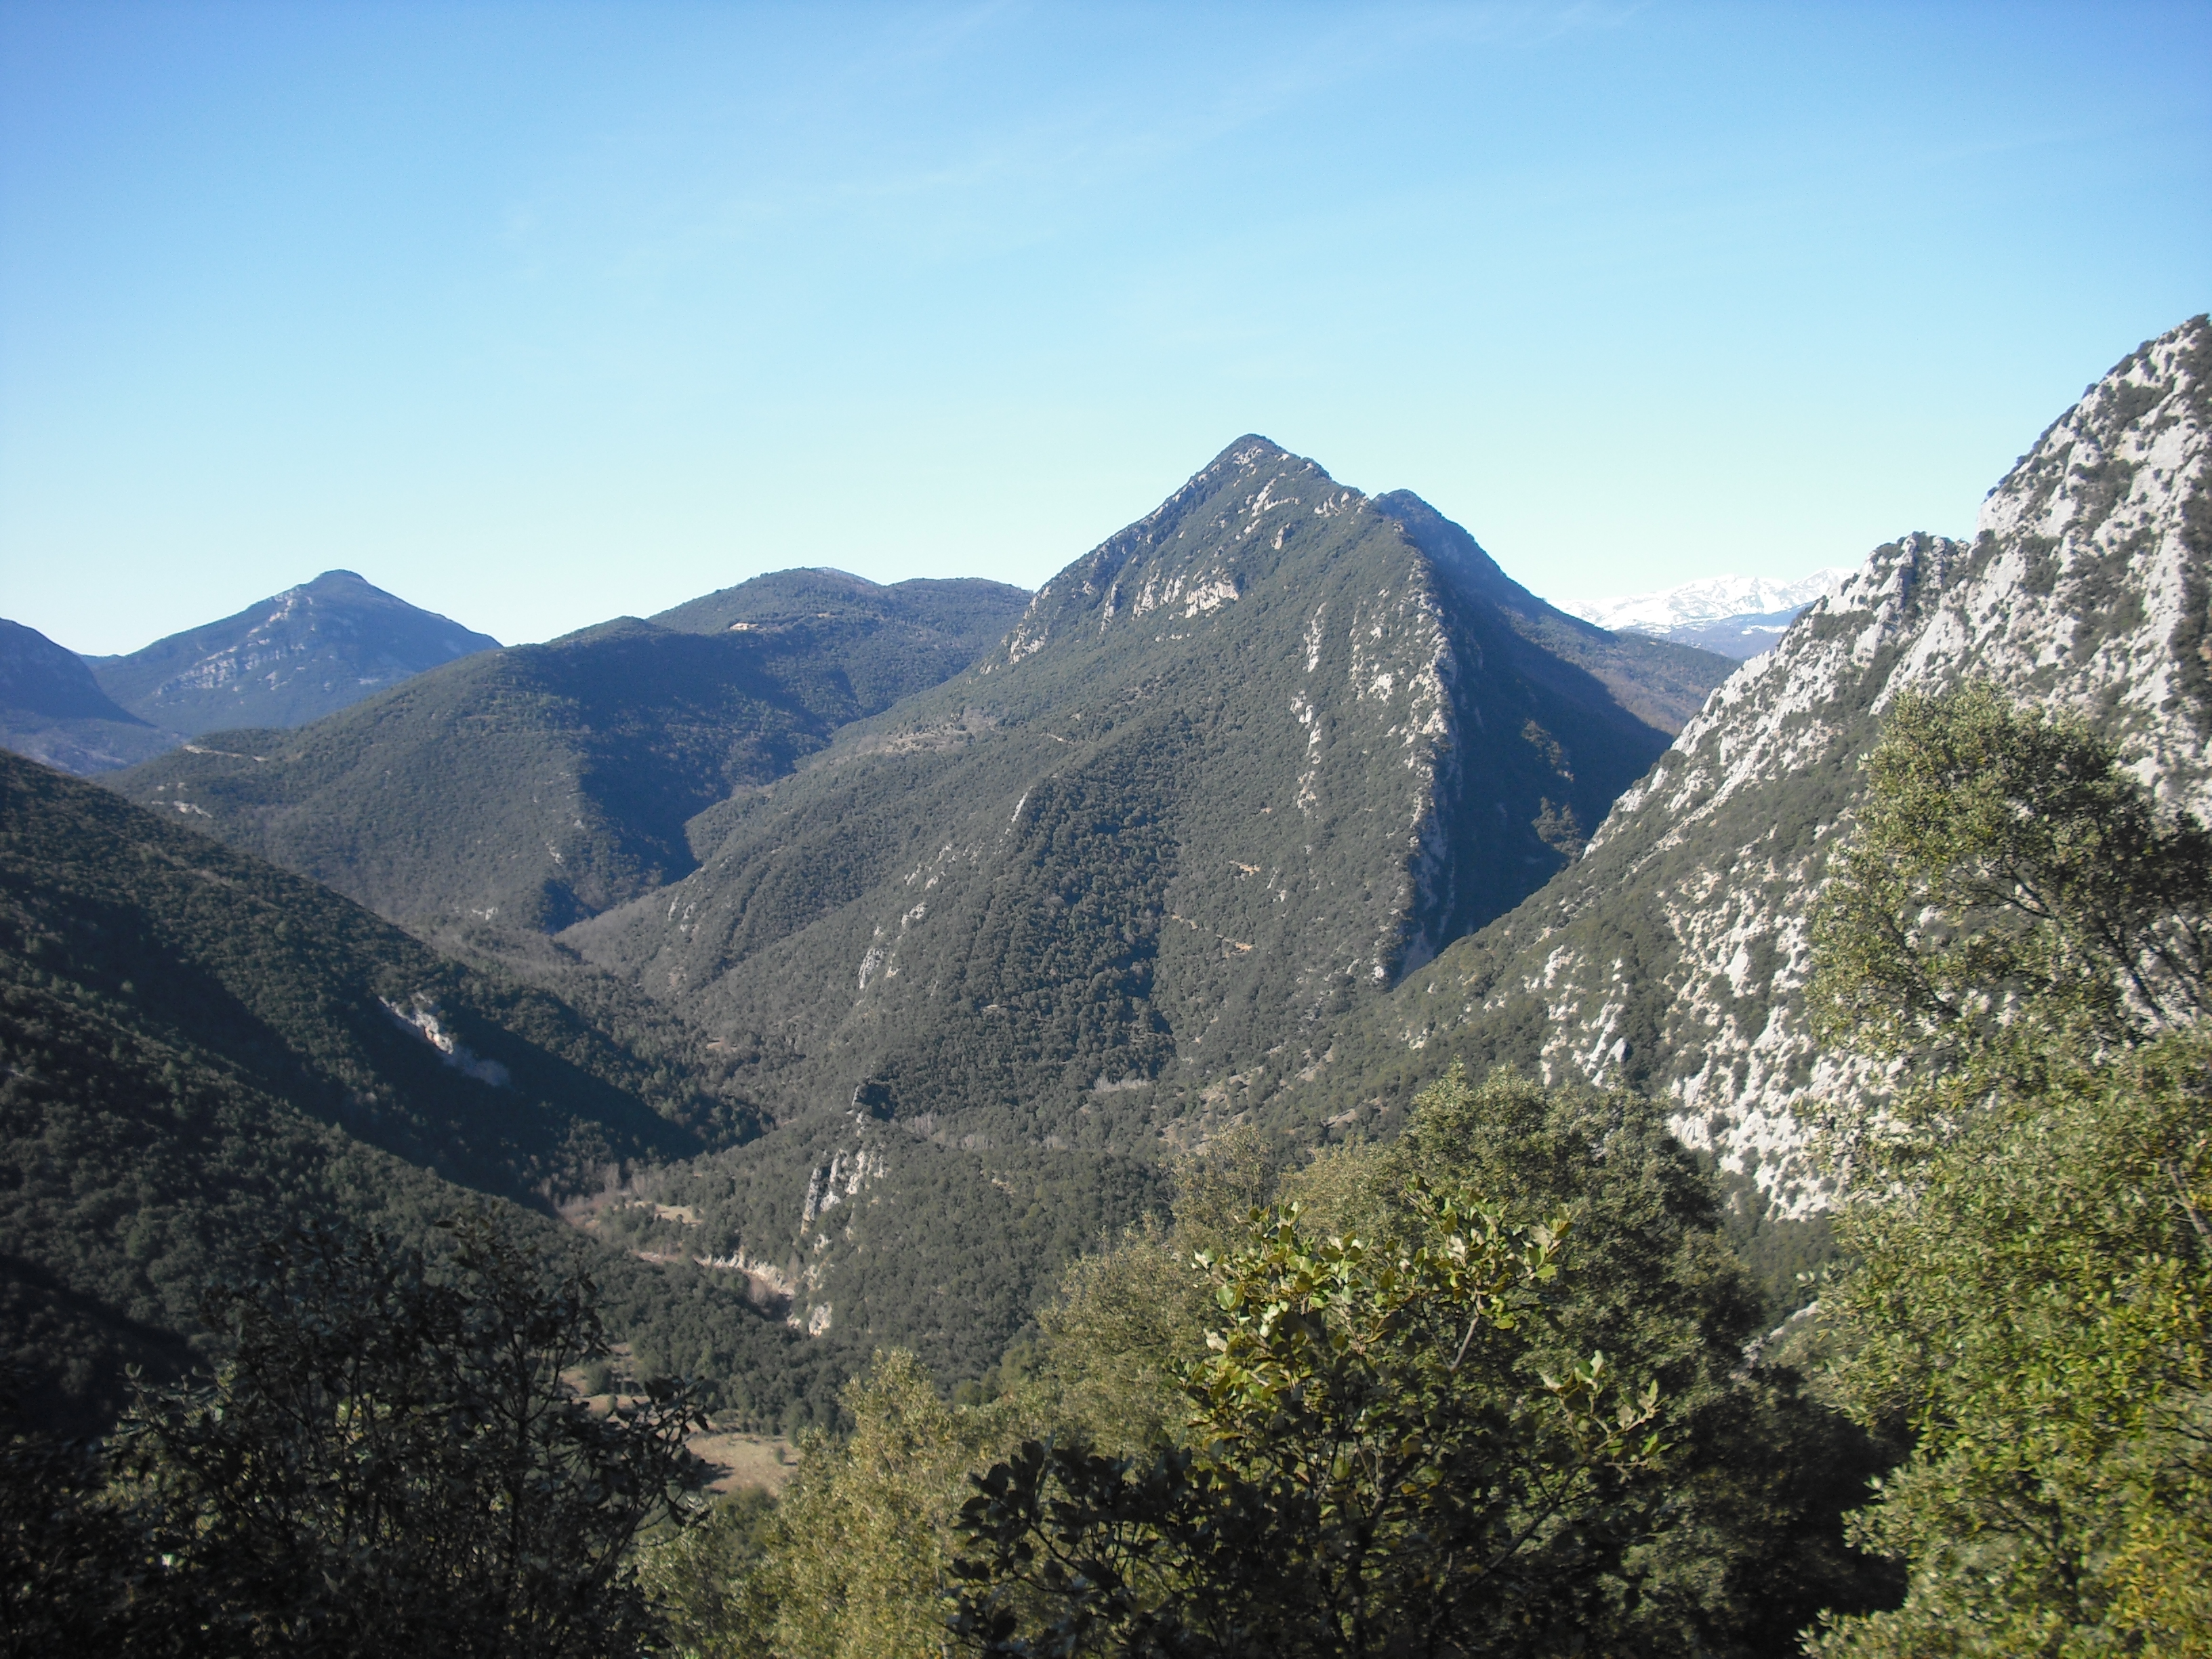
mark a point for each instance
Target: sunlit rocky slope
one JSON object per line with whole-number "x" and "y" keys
{"x": 1271, "y": 746}
{"x": 1223, "y": 780}
{"x": 1673, "y": 956}
{"x": 974, "y": 906}
{"x": 290, "y": 659}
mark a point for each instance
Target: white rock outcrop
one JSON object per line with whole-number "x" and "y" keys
{"x": 1675, "y": 954}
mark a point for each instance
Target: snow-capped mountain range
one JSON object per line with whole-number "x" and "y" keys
{"x": 1715, "y": 598}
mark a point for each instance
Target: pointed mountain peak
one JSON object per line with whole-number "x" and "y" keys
{"x": 1251, "y": 450}
{"x": 1247, "y": 457}
{"x": 1238, "y": 468}
{"x": 293, "y": 657}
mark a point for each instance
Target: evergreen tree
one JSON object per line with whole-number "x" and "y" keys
{"x": 1372, "y": 1467}
{"x": 2018, "y": 933}
{"x": 390, "y": 1461}
{"x": 1725, "y": 1537}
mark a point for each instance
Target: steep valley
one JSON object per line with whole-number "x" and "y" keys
{"x": 520, "y": 790}
{"x": 897, "y": 940}
{"x": 198, "y": 1049}
{"x": 1233, "y": 774}
{"x": 978, "y": 961}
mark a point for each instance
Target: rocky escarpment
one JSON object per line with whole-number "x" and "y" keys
{"x": 1675, "y": 954}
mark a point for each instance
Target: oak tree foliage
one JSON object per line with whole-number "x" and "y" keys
{"x": 2019, "y": 932}
{"x": 1369, "y": 1467}
{"x": 387, "y": 1461}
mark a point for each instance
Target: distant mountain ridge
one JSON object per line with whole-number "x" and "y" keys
{"x": 1232, "y": 772}
{"x": 1742, "y": 637}
{"x": 1738, "y": 616}
{"x": 524, "y": 789}
{"x": 54, "y": 710}
{"x": 968, "y": 611}
{"x": 1662, "y": 683}
{"x": 1708, "y": 599}
{"x": 293, "y": 657}
{"x": 38, "y": 677}
{"x": 1252, "y": 758}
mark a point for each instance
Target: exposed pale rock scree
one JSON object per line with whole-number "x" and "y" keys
{"x": 1272, "y": 742}
{"x": 1674, "y": 954}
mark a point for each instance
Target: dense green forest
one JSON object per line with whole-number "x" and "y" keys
{"x": 1492, "y": 1385}
{"x": 1155, "y": 1089}
{"x": 1122, "y": 880}
{"x": 1114, "y": 884}
{"x": 199, "y": 1049}
{"x": 1499, "y": 1383}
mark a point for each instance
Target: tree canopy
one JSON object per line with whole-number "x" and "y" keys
{"x": 1486, "y": 1388}
{"x": 388, "y": 1461}
{"x": 2019, "y": 933}
{"x": 1372, "y": 1464}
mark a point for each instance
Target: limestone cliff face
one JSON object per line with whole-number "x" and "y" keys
{"x": 1675, "y": 954}
{"x": 1378, "y": 676}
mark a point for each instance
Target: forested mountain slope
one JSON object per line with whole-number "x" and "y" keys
{"x": 523, "y": 789}
{"x": 1235, "y": 771}
{"x": 1661, "y": 683}
{"x": 1257, "y": 750}
{"x": 1674, "y": 954}
{"x": 916, "y": 632}
{"x": 197, "y": 1049}
{"x": 54, "y": 710}
{"x": 293, "y": 657}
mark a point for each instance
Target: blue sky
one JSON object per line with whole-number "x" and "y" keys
{"x": 537, "y": 314}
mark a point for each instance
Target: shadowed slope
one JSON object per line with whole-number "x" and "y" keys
{"x": 1673, "y": 955}
{"x": 52, "y": 710}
